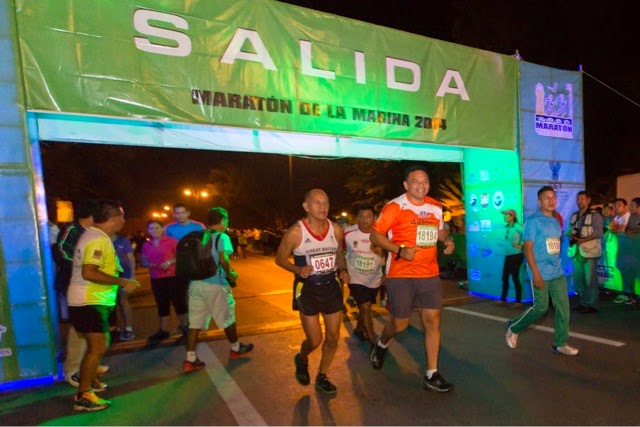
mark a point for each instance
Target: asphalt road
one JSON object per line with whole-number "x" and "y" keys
{"x": 494, "y": 385}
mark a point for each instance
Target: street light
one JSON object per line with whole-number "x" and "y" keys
{"x": 196, "y": 194}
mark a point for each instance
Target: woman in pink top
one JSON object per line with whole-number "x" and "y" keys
{"x": 159, "y": 255}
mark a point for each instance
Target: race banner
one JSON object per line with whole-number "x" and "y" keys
{"x": 552, "y": 142}
{"x": 262, "y": 64}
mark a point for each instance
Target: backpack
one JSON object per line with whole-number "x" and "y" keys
{"x": 194, "y": 257}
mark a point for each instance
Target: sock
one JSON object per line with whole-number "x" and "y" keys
{"x": 129, "y": 328}
{"x": 430, "y": 373}
{"x": 191, "y": 356}
{"x": 235, "y": 346}
{"x": 382, "y": 345}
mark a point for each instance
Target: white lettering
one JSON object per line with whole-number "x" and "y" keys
{"x": 141, "y": 18}
{"x": 458, "y": 90}
{"x": 392, "y": 83}
{"x": 234, "y": 51}
{"x": 307, "y": 66}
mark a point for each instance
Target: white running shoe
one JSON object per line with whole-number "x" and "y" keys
{"x": 567, "y": 350}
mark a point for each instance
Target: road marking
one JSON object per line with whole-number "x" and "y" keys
{"x": 540, "y": 328}
{"x": 239, "y": 405}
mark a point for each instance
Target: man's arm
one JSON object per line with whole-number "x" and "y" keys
{"x": 444, "y": 237}
{"x": 291, "y": 239}
{"x": 92, "y": 273}
{"x": 132, "y": 264}
{"x": 527, "y": 250}
{"x": 225, "y": 263}
{"x": 341, "y": 262}
{"x": 67, "y": 243}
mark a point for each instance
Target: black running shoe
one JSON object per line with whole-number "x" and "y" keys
{"x": 159, "y": 336}
{"x": 302, "y": 370}
{"x": 323, "y": 384}
{"x": 377, "y": 355}
{"x": 436, "y": 383}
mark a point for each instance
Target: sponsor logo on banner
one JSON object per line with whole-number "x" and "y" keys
{"x": 484, "y": 175}
{"x": 554, "y": 110}
{"x": 473, "y": 201}
{"x": 484, "y": 200}
{"x": 498, "y": 200}
{"x": 474, "y": 226}
{"x": 555, "y": 174}
{"x": 604, "y": 273}
{"x": 475, "y": 274}
{"x": 4, "y": 352}
{"x": 473, "y": 249}
{"x": 485, "y": 224}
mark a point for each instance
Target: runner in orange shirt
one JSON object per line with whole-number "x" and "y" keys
{"x": 409, "y": 228}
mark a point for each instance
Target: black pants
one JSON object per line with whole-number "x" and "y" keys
{"x": 511, "y": 268}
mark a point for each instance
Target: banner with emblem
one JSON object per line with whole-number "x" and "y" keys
{"x": 263, "y": 64}
{"x": 552, "y": 141}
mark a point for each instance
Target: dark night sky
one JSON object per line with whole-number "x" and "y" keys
{"x": 559, "y": 34}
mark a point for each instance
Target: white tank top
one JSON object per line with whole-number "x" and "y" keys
{"x": 319, "y": 252}
{"x": 365, "y": 266}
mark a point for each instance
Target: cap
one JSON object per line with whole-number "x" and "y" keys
{"x": 510, "y": 212}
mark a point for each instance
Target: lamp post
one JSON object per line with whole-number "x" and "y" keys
{"x": 197, "y": 195}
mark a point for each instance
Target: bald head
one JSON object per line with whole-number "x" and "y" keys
{"x": 316, "y": 192}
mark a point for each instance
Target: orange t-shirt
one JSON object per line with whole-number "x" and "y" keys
{"x": 414, "y": 226}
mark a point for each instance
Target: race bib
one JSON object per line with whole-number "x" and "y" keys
{"x": 364, "y": 264}
{"x": 553, "y": 245}
{"x": 323, "y": 263}
{"x": 427, "y": 235}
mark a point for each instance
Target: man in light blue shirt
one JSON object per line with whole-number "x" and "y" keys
{"x": 183, "y": 225}
{"x": 541, "y": 248}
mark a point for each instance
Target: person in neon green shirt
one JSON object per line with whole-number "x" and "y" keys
{"x": 92, "y": 297}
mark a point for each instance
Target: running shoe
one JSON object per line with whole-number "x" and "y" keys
{"x": 302, "y": 370}
{"x": 567, "y": 350}
{"x": 377, "y": 355}
{"x": 244, "y": 348}
{"x": 511, "y": 338}
{"x": 127, "y": 335}
{"x": 436, "y": 383}
{"x": 90, "y": 402}
{"x": 159, "y": 336}
{"x": 621, "y": 299}
{"x": 323, "y": 384}
{"x": 192, "y": 366}
{"x": 97, "y": 386}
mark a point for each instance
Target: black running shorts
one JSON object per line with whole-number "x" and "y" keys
{"x": 312, "y": 299}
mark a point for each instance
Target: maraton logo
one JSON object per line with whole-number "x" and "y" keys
{"x": 554, "y": 111}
